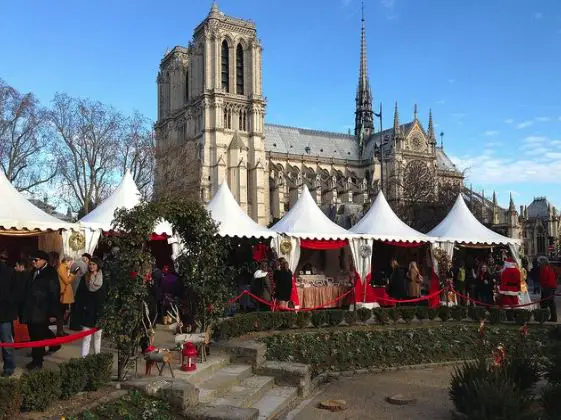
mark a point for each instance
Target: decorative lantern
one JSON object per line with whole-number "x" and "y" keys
{"x": 188, "y": 357}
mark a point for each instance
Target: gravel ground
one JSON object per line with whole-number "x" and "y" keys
{"x": 366, "y": 396}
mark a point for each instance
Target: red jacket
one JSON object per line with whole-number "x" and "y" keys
{"x": 548, "y": 279}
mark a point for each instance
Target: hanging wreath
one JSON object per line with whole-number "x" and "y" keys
{"x": 285, "y": 247}
{"x": 77, "y": 241}
{"x": 365, "y": 251}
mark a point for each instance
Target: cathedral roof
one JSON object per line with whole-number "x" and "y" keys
{"x": 539, "y": 209}
{"x": 302, "y": 141}
{"x": 443, "y": 162}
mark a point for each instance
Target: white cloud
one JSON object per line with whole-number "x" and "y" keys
{"x": 509, "y": 121}
{"x": 489, "y": 133}
{"x": 388, "y": 4}
{"x": 538, "y": 150}
{"x": 555, "y": 142}
{"x": 543, "y": 119}
{"x": 553, "y": 155}
{"x": 538, "y": 15}
{"x": 493, "y": 144}
{"x": 525, "y": 124}
{"x": 486, "y": 169}
{"x": 534, "y": 139}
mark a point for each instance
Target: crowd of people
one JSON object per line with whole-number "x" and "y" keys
{"x": 272, "y": 283}
{"x": 46, "y": 292}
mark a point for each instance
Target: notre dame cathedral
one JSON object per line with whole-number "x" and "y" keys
{"x": 211, "y": 129}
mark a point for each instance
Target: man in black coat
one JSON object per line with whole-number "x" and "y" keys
{"x": 8, "y": 312}
{"x": 41, "y": 305}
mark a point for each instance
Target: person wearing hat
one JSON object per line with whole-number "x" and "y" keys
{"x": 509, "y": 283}
{"x": 40, "y": 305}
{"x": 90, "y": 297}
{"x": 8, "y": 312}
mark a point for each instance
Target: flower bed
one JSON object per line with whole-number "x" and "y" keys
{"x": 38, "y": 389}
{"x": 265, "y": 321}
{"x": 342, "y": 349}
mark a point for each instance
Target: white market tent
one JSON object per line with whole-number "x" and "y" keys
{"x": 461, "y": 227}
{"x": 18, "y": 213}
{"x": 99, "y": 220}
{"x": 19, "y": 217}
{"x": 232, "y": 220}
{"x": 382, "y": 224}
{"x": 305, "y": 221}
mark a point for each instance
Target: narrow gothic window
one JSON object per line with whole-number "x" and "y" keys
{"x": 228, "y": 118}
{"x": 242, "y": 121}
{"x": 239, "y": 70}
{"x": 187, "y": 86}
{"x": 225, "y": 66}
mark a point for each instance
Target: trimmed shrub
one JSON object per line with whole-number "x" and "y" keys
{"x": 521, "y": 316}
{"x": 477, "y": 313}
{"x": 364, "y": 314}
{"x": 350, "y": 317}
{"x": 303, "y": 319}
{"x": 407, "y": 313}
{"x": 432, "y": 313}
{"x": 319, "y": 318}
{"x": 422, "y": 312}
{"x": 74, "y": 377}
{"x": 393, "y": 314}
{"x": 284, "y": 320}
{"x": 40, "y": 388}
{"x": 10, "y": 398}
{"x": 510, "y": 315}
{"x": 497, "y": 315}
{"x": 100, "y": 367}
{"x": 551, "y": 401}
{"x": 335, "y": 317}
{"x": 458, "y": 312}
{"x": 381, "y": 315}
{"x": 541, "y": 315}
{"x": 444, "y": 313}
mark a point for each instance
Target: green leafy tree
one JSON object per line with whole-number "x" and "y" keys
{"x": 202, "y": 267}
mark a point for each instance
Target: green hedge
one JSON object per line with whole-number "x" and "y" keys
{"x": 10, "y": 398}
{"x": 265, "y": 321}
{"x": 39, "y": 389}
{"x": 339, "y": 350}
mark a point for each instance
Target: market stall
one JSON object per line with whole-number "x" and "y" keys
{"x": 390, "y": 238}
{"x": 324, "y": 257}
{"x": 460, "y": 229}
{"x": 24, "y": 227}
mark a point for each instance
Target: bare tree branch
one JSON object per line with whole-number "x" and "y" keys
{"x": 24, "y": 140}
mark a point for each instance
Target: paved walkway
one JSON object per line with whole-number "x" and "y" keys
{"x": 366, "y": 396}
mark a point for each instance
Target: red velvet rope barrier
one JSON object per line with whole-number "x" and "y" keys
{"x": 331, "y": 302}
{"x": 51, "y": 342}
{"x": 492, "y": 305}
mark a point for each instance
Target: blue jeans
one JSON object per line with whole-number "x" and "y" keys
{"x": 7, "y": 354}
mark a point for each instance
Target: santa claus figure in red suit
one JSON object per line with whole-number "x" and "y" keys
{"x": 509, "y": 286}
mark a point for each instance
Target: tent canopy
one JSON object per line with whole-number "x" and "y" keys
{"x": 305, "y": 220}
{"x": 16, "y": 212}
{"x": 231, "y": 219}
{"x": 461, "y": 226}
{"x": 382, "y": 224}
{"x": 126, "y": 195}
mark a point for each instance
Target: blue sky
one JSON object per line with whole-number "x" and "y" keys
{"x": 490, "y": 70}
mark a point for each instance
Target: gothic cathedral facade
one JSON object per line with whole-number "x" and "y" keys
{"x": 211, "y": 129}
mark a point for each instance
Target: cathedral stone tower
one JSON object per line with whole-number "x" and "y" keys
{"x": 210, "y": 101}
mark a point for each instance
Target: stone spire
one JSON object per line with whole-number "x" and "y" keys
{"x": 214, "y": 11}
{"x": 511, "y": 206}
{"x": 415, "y": 112}
{"x": 364, "y": 116}
{"x": 494, "y": 199}
{"x": 395, "y": 120}
{"x": 432, "y": 138}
